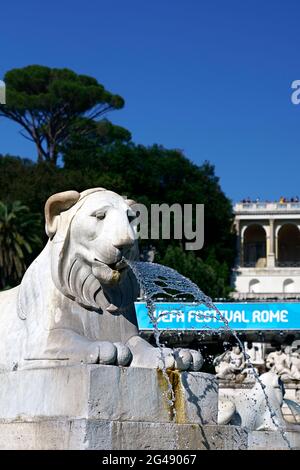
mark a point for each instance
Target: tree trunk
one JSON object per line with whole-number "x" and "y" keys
{"x": 52, "y": 152}
{"x": 40, "y": 155}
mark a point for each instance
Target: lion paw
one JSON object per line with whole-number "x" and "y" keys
{"x": 188, "y": 359}
{"x": 179, "y": 359}
{"x": 145, "y": 355}
{"x": 124, "y": 356}
{"x": 107, "y": 353}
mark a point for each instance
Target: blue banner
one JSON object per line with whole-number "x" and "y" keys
{"x": 240, "y": 316}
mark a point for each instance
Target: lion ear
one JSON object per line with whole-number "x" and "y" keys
{"x": 131, "y": 202}
{"x": 55, "y": 205}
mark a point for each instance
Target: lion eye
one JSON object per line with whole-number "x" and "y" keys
{"x": 100, "y": 215}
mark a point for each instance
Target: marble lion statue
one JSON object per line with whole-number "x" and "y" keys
{"x": 248, "y": 408}
{"x": 75, "y": 303}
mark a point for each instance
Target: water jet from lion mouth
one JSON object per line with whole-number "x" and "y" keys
{"x": 119, "y": 265}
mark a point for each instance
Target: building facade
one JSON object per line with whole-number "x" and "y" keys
{"x": 268, "y": 264}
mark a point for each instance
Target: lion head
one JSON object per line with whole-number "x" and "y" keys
{"x": 91, "y": 238}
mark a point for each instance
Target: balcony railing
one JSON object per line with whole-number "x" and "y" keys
{"x": 278, "y": 264}
{"x": 267, "y": 206}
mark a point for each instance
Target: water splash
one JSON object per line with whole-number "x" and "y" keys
{"x": 157, "y": 280}
{"x": 147, "y": 281}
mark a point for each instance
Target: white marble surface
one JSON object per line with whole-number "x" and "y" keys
{"x": 107, "y": 393}
{"x": 249, "y": 407}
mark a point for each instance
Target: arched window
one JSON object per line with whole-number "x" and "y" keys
{"x": 254, "y": 286}
{"x": 255, "y": 246}
{"x": 288, "y": 245}
{"x": 288, "y": 286}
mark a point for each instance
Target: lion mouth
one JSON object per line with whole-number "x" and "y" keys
{"x": 109, "y": 273}
{"x": 117, "y": 266}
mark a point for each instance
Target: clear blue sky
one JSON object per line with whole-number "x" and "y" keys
{"x": 212, "y": 78}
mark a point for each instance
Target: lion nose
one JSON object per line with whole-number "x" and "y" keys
{"x": 122, "y": 233}
{"x": 124, "y": 242}
{"x": 123, "y": 245}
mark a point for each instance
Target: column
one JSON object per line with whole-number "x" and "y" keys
{"x": 239, "y": 244}
{"x": 271, "y": 251}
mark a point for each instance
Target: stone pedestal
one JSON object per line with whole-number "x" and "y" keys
{"x": 272, "y": 440}
{"x": 114, "y": 408}
{"x": 85, "y": 434}
{"x": 108, "y": 393}
{"x": 107, "y": 407}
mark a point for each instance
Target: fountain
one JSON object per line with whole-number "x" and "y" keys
{"x": 75, "y": 374}
{"x": 261, "y": 409}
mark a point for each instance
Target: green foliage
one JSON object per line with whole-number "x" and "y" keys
{"x": 50, "y": 104}
{"x": 83, "y": 148}
{"x": 19, "y": 236}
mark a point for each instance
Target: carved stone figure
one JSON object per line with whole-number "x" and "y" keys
{"x": 75, "y": 303}
{"x": 229, "y": 364}
{"x": 277, "y": 361}
{"x": 293, "y": 355}
{"x": 295, "y": 364}
{"x": 286, "y": 364}
{"x": 255, "y": 351}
